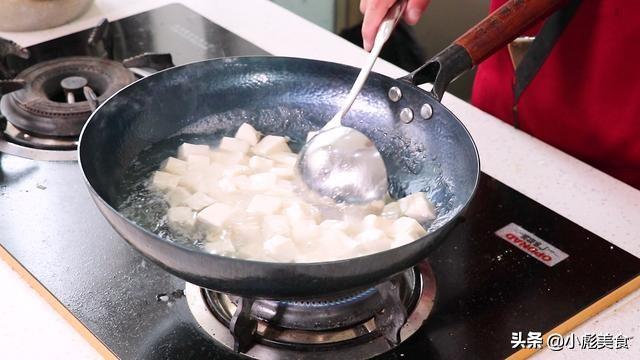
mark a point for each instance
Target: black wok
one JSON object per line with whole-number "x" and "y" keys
{"x": 288, "y": 96}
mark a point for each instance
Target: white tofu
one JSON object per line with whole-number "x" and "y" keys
{"x": 247, "y": 133}
{"x": 287, "y": 173}
{"x": 372, "y": 221}
{"x": 193, "y": 181}
{"x": 373, "y": 240}
{"x": 285, "y": 159}
{"x": 311, "y": 134}
{"x": 275, "y": 225}
{"x": 234, "y": 170}
{"x": 197, "y": 163}
{"x": 234, "y": 145}
{"x": 178, "y": 196}
{"x": 215, "y": 171}
{"x": 241, "y": 182}
{"x": 164, "y": 181}
{"x": 187, "y": 149}
{"x": 392, "y": 211}
{"x": 227, "y": 158}
{"x": 337, "y": 245}
{"x": 174, "y": 166}
{"x": 402, "y": 239}
{"x": 280, "y": 248}
{"x": 219, "y": 243}
{"x": 246, "y": 230}
{"x": 304, "y": 231}
{"x": 263, "y": 181}
{"x": 298, "y": 211}
{"x": 271, "y": 144}
{"x": 417, "y": 206}
{"x": 181, "y": 217}
{"x": 214, "y": 215}
{"x": 340, "y": 225}
{"x": 198, "y": 201}
{"x": 260, "y": 163}
{"x": 406, "y": 226}
{"x": 226, "y": 185}
{"x": 264, "y": 204}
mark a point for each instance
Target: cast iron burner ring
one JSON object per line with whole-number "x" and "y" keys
{"x": 315, "y": 338}
{"x": 52, "y": 102}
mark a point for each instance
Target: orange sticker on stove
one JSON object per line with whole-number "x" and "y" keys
{"x": 531, "y": 244}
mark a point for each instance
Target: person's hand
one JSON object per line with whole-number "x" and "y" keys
{"x": 375, "y": 10}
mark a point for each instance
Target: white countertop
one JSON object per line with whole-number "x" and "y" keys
{"x": 30, "y": 328}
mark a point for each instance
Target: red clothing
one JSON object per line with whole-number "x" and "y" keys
{"x": 585, "y": 99}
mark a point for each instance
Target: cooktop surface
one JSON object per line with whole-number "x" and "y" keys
{"x": 511, "y": 265}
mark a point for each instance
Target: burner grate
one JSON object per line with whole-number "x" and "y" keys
{"x": 289, "y": 328}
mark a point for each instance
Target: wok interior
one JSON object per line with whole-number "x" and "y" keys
{"x": 204, "y": 101}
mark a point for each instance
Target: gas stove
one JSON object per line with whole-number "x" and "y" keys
{"x": 511, "y": 265}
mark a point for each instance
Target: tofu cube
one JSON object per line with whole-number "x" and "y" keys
{"x": 164, "y": 181}
{"x": 287, "y": 173}
{"x": 185, "y": 150}
{"x": 285, "y": 159}
{"x": 337, "y": 245}
{"x": 271, "y": 144}
{"x": 304, "y": 231}
{"x": 198, "y": 201}
{"x": 226, "y": 185}
{"x": 246, "y": 230}
{"x": 417, "y": 206}
{"x": 372, "y": 221}
{"x": 178, "y": 196}
{"x": 280, "y": 248}
{"x": 197, "y": 163}
{"x": 234, "y": 170}
{"x": 193, "y": 181}
{"x": 227, "y": 158}
{"x": 263, "y": 181}
{"x": 247, "y": 133}
{"x": 402, "y": 239}
{"x": 406, "y": 226}
{"x": 259, "y": 163}
{"x": 298, "y": 211}
{"x": 275, "y": 225}
{"x": 219, "y": 243}
{"x": 181, "y": 217}
{"x": 234, "y": 145}
{"x": 174, "y": 166}
{"x": 391, "y": 211}
{"x": 241, "y": 182}
{"x": 264, "y": 204}
{"x": 373, "y": 240}
{"x": 214, "y": 215}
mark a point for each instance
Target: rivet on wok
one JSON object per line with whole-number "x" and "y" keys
{"x": 426, "y": 111}
{"x": 395, "y": 94}
{"x": 406, "y": 115}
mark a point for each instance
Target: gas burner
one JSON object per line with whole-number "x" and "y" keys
{"x": 359, "y": 324}
{"x": 59, "y": 95}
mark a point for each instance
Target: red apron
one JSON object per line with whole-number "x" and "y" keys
{"x": 585, "y": 98}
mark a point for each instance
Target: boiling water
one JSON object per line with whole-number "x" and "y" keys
{"x": 148, "y": 208}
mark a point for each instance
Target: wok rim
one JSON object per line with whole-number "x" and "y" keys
{"x": 271, "y": 264}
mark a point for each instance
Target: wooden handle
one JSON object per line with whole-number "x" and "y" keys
{"x": 503, "y": 25}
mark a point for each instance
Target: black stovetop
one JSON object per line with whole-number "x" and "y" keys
{"x": 486, "y": 288}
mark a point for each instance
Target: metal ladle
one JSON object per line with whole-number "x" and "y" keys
{"x": 341, "y": 162}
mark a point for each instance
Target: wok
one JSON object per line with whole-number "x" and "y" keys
{"x": 289, "y": 96}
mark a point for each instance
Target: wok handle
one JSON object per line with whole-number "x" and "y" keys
{"x": 485, "y": 38}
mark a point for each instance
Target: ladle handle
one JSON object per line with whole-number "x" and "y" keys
{"x": 495, "y": 31}
{"x": 384, "y": 32}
